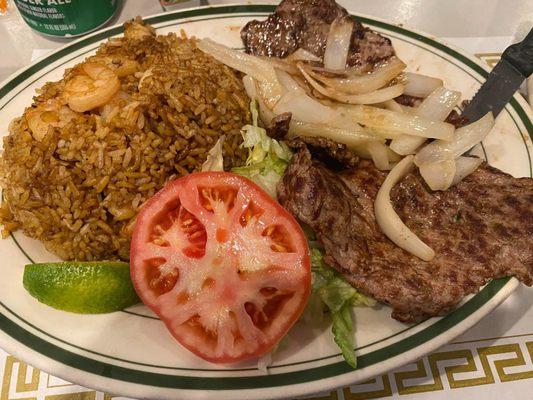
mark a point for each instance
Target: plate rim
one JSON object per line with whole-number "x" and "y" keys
{"x": 504, "y": 286}
{"x": 136, "y": 390}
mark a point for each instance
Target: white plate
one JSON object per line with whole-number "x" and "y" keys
{"x": 131, "y": 352}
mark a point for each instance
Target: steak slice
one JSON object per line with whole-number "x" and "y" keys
{"x": 480, "y": 229}
{"x": 336, "y": 155}
{"x": 305, "y": 24}
{"x": 279, "y": 126}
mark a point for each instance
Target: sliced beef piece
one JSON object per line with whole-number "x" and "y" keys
{"x": 409, "y": 101}
{"x": 335, "y": 155}
{"x": 279, "y": 126}
{"x": 305, "y": 24}
{"x": 275, "y": 37}
{"x": 457, "y": 119}
{"x": 480, "y": 229}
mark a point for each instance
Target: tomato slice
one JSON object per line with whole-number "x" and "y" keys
{"x": 224, "y": 265}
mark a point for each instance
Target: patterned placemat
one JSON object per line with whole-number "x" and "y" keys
{"x": 478, "y": 364}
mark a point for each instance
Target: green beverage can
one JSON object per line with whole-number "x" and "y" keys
{"x": 66, "y": 17}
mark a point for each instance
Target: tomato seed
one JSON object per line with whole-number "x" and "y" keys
{"x": 196, "y": 235}
{"x": 164, "y": 284}
{"x": 278, "y": 248}
{"x": 209, "y": 283}
{"x": 268, "y": 231}
{"x": 252, "y": 210}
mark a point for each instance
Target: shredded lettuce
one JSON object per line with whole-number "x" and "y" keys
{"x": 339, "y": 297}
{"x": 267, "y": 158}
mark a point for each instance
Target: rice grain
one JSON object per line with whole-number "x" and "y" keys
{"x": 79, "y": 189}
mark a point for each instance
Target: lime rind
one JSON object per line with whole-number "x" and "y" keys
{"x": 81, "y": 287}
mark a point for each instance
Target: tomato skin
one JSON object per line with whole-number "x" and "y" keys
{"x": 252, "y": 259}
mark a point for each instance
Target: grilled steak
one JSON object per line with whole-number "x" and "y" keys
{"x": 456, "y": 119}
{"x": 335, "y": 155}
{"x": 279, "y": 126}
{"x": 480, "y": 229}
{"x": 305, "y": 24}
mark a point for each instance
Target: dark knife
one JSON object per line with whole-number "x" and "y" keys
{"x": 514, "y": 67}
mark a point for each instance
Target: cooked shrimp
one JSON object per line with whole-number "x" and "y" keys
{"x": 91, "y": 85}
{"x": 47, "y": 115}
{"x": 137, "y": 31}
{"x": 126, "y": 67}
{"x": 120, "y": 65}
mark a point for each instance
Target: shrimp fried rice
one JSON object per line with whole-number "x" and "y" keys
{"x": 79, "y": 163}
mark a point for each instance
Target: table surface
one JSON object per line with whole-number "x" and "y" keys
{"x": 494, "y": 359}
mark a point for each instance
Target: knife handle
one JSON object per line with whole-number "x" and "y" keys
{"x": 520, "y": 55}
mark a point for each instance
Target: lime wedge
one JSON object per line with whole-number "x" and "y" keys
{"x": 81, "y": 287}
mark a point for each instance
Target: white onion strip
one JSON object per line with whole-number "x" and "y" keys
{"x": 249, "y": 86}
{"x": 338, "y": 44}
{"x": 215, "y": 159}
{"x": 390, "y": 223}
{"x": 288, "y": 82}
{"x": 253, "y": 91}
{"x": 259, "y": 69}
{"x": 302, "y": 55}
{"x": 465, "y": 138}
{"x": 390, "y": 124}
{"x": 437, "y": 106}
{"x": 363, "y": 83}
{"x": 464, "y": 166}
{"x": 280, "y": 63}
{"x": 439, "y": 175}
{"x": 377, "y": 96}
{"x": 420, "y": 85}
{"x": 406, "y": 144}
{"x": 357, "y": 70}
{"x": 304, "y": 108}
{"x": 380, "y": 155}
{"x": 394, "y": 158}
{"x": 391, "y": 105}
{"x": 256, "y": 67}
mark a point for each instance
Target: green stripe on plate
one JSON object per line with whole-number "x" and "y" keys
{"x": 225, "y": 383}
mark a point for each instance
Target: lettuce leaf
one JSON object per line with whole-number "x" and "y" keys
{"x": 267, "y": 158}
{"x": 343, "y": 329}
{"x": 339, "y": 297}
